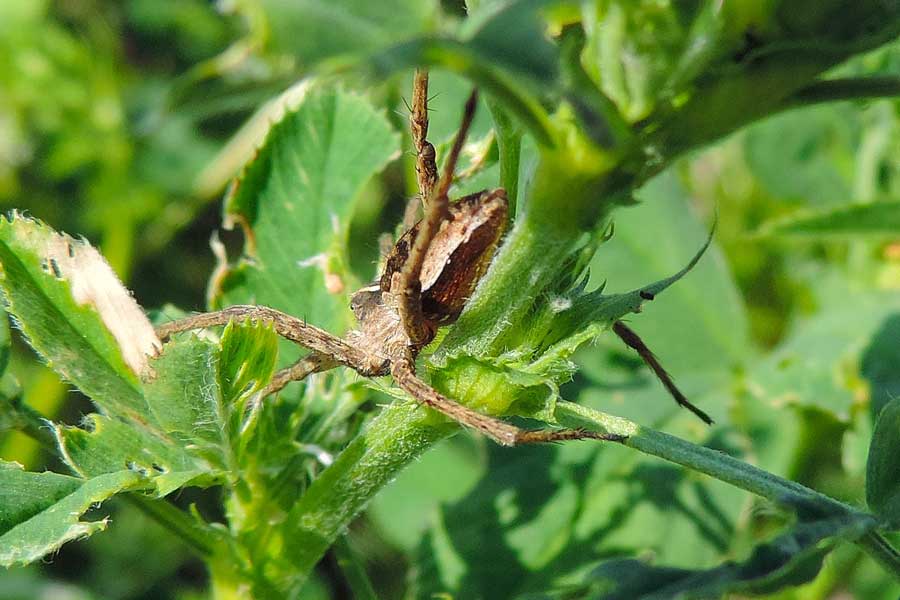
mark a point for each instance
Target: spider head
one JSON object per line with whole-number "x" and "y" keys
{"x": 365, "y": 301}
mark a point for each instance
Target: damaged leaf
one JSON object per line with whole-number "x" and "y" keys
{"x": 39, "y": 512}
{"x": 294, "y": 202}
{"x": 75, "y": 313}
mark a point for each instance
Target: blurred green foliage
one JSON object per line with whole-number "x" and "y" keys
{"x": 113, "y": 112}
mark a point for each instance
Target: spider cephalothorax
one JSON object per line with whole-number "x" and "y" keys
{"x": 454, "y": 263}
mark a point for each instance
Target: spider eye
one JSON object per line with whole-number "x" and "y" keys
{"x": 364, "y": 299}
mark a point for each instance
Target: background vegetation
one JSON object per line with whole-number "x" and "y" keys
{"x": 123, "y": 122}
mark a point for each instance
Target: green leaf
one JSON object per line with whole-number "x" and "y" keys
{"x": 318, "y": 29}
{"x": 191, "y": 435}
{"x": 698, "y": 328}
{"x": 810, "y": 385}
{"x": 182, "y": 392}
{"x": 878, "y": 364}
{"x": 10, "y": 391}
{"x": 39, "y": 512}
{"x": 543, "y": 516}
{"x": 793, "y": 558}
{"x": 76, "y": 314}
{"x": 819, "y": 362}
{"x": 511, "y": 35}
{"x": 107, "y": 445}
{"x": 246, "y": 360}
{"x": 295, "y": 201}
{"x": 811, "y": 145}
{"x": 4, "y": 342}
{"x": 634, "y": 47}
{"x": 24, "y": 494}
{"x": 200, "y": 389}
{"x": 10, "y": 403}
{"x": 878, "y": 219}
{"x": 883, "y": 466}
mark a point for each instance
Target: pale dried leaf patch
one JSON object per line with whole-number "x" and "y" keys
{"x": 95, "y": 284}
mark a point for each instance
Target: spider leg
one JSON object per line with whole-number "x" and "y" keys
{"x": 408, "y": 286}
{"x": 300, "y": 370}
{"x": 426, "y": 167}
{"x": 296, "y": 330}
{"x": 633, "y": 341}
{"x": 403, "y": 372}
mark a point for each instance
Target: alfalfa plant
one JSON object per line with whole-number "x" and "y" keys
{"x": 598, "y": 98}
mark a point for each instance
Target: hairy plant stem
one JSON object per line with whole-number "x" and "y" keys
{"x": 400, "y": 434}
{"x": 724, "y": 468}
{"x": 509, "y": 145}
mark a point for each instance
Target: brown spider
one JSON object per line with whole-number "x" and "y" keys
{"x": 427, "y": 278}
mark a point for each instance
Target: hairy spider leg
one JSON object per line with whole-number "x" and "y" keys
{"x": 300, "y": 370}
{"x": 426, "y": 167}
{"x": 633, "y": 341}
{"x": 291, "y": 328}
{"x": 505, "y": 434}
{"x": 407, "y": 285}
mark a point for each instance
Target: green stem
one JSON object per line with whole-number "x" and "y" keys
{"x": 192, "y": 533}
{"x": 33, "y": 424}
{"x": 401, "y": 433}
{"x": 509, "y": 146}
{"x": 724, "y": 468}
{"x": 853, "y": 88}
{"x": 353, "y": 570}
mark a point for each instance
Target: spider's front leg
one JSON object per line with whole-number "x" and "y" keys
{"x": 300, "y": 370}
{"x": 407, "y": 284}
{"x": 331, "y": 349}
{"x": 426, "y": 166}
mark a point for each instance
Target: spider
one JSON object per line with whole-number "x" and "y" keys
{"x": 427, "y": 277}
